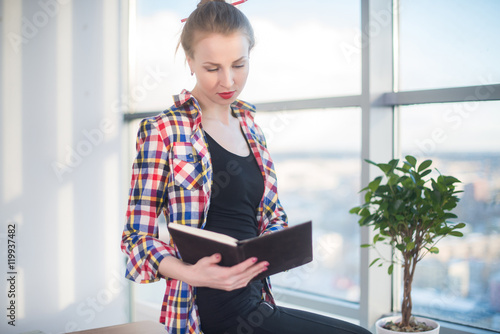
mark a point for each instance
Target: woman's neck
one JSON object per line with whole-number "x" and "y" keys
{"x": 213, "y": 111}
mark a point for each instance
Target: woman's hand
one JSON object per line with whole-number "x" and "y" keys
{"x": 208, "y": 273}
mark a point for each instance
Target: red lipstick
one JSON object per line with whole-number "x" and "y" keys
{"x": 226, "y": 95}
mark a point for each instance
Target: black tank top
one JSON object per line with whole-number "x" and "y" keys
{"x": 237, "y": 190}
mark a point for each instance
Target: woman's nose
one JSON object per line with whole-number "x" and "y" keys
{"x": 226, "y": 78}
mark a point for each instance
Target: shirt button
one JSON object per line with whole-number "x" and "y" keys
{"x": 190, "y": 156}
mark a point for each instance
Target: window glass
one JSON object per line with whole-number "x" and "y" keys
{"x": 317, "y": 158}
{"x": 304, "y": 50}
{"x": 157, "y": 71}
{"x": 461, "y": 283}
{"x": 445, "y": 43}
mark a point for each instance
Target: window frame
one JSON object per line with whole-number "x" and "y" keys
{"x": 379, "y": 101}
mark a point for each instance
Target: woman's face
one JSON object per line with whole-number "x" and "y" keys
{"x": 221, "y": 65}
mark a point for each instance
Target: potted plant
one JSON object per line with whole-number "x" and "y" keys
{"x": 409, "y": 211}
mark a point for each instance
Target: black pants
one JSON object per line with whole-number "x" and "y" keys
{"x": 269, "y": 319}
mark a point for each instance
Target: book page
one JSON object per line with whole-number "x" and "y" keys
{"x": 222, "y": 238}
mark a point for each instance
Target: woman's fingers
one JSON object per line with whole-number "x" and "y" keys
{"x": 227, "y": 278}
{"x": 213, "y": 259}
{"x": 243, "y": 272}
{"x": 249, "y": 268}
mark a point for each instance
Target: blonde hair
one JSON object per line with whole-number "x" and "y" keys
{"x": 214, "y": 16}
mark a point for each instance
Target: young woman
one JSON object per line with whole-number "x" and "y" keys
{"x": 204, "y": 163}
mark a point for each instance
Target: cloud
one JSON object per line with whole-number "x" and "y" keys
{"x": 301, "y": 62}
{"x": 304, "y": 61}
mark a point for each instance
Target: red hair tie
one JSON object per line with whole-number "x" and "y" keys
{"x": 234, "y": 4}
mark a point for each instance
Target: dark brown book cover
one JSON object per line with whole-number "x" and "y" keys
{"x": 284, "y": 249}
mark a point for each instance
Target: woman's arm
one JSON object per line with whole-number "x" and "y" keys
{"x": 146, "y": 200}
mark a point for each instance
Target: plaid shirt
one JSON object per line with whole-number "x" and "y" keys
{"x": 173, "y": 173}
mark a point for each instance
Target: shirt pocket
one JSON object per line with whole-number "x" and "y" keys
{"x": 187, "y": 168}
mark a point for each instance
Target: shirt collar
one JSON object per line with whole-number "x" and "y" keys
{"x": 182, "y": 98}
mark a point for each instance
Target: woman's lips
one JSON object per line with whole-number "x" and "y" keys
{"x": 226, "y": 95}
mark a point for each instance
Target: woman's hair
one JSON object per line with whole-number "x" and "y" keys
{"x": 214, "y": 16}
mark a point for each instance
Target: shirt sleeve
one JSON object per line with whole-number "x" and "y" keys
{"x": 279, "y": 218}
{"x": 146, "y": 199}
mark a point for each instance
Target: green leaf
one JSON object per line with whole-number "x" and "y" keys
{"x": 390, "y": 269}
{"x": 375, "y": 183}
{"x": 459, "y": 225}
{"x": 425, "y": 173}
{"x": 394, "y": 163}
{"x": 434, "y": 250}
{"x": 355, "y": 210}
{"x": 365, "y": 245}
{"x": 393, "y": 180}
{"x": 370, "y": 162}
{"x": 411, "y": 160}
{"x": 365, "y": 212}
{"x": 456, "y": 234}
{"x": 444, "y": 230}
{"x": 374, "y": 261}
{"x": 424, "y": 165}
{"x": 386, "y": 168}
{"x": 410, "y": 246}
{"x": 450, "y": 180}
{"x": 449, "y": 215}
{"x": 375, "y": 238}
{"x": 413, "y": 178}
{"x": 368, "y": 196}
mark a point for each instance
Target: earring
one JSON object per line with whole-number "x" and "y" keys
{"x": 192, "y": 73}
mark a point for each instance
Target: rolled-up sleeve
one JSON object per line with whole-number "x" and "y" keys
{"x": 146, "y": 200}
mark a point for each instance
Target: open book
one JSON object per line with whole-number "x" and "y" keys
{"x": 284, "y": 249}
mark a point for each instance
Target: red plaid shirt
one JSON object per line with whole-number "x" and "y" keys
{"x": 173, "y": 173}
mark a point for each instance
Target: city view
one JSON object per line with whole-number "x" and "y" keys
{"x": 461, "y": 283}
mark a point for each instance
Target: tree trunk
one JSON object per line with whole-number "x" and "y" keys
{"x": 406, "y": 306}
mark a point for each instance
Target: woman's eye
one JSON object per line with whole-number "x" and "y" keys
{"x": 212, "y": 69}
{"x": 239, "y": 66}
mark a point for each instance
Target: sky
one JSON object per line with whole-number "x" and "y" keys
{"x": 439, "y": 37}
{"x": 299, "y": 55}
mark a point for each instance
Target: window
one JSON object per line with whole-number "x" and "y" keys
{"x": 282, "y": 70}
{"x": 434, "y": 66}
{"x": 461, "y": 283}
{"x": 316, "y": 153}
{"x": 157, "y": 72}
{"x": 297, "y": 55}
{"x": 281, "y": 66}
{"x": 449, "y": 43}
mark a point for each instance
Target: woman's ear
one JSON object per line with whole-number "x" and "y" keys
{"x": 190, "y": 64}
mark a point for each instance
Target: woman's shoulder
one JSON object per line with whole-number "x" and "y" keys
{"x": 184, "y": 114}
{"x": 168, "y": 117}
{"x": 171, "y": 124}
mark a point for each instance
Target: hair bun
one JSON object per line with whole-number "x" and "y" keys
{"x": 202, "y": 2}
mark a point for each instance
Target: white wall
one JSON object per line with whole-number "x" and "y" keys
{"x": 61, "y": 68}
